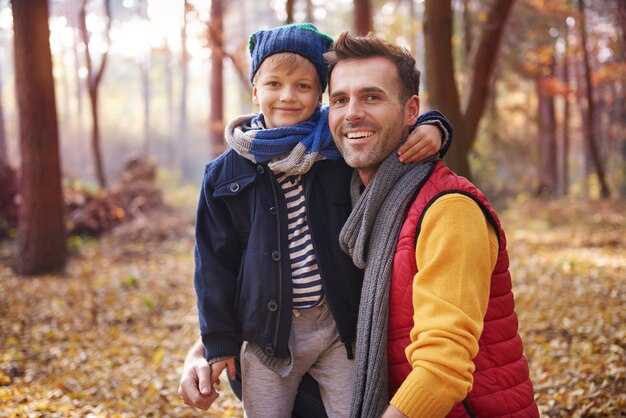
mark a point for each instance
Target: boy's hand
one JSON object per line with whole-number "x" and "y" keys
{"x": 424, "y": 141}
{"x": 217, "y": 367}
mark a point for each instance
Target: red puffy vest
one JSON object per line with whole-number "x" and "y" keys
{"x": 502, "y": 386}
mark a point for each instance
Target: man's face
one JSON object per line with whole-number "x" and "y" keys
{"x": 366, "y": 117}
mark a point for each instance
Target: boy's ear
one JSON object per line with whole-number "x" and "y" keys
{"x": 411, "y": 110}
{"x": 319, "y": 101}
{"x": 255, "y": 97}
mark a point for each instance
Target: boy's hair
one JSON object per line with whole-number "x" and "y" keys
{"x": 299, "y": 38}
{"x": 347, "y": 47}
{"x": 285, "y": 61}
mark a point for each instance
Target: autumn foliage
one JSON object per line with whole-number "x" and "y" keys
{"x": 108, "y": 336}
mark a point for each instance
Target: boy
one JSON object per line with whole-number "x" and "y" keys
{"x": 269, "y": 270}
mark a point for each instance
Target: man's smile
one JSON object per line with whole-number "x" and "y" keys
{"x": 359, "y": 134}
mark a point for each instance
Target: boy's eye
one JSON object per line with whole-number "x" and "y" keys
{"x": 272, "y": 84}
{"x": 304, "y": 86}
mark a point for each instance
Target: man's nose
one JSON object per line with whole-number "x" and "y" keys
{"x": 354, "y": 111}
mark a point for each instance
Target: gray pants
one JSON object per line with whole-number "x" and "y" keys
{"x": 316, "y": 349}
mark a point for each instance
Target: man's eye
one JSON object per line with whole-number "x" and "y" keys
{"x": 372, "y": 98}
{"x": 338, "y": 101}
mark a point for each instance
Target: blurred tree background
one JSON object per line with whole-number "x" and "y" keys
{"x": 105, "y": 130}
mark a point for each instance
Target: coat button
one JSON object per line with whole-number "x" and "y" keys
{"x": 275, "y": 255}
{"x": 272, "y": 306}
{"x": 259, "y": 168}
{"x": 269, "y": 351}
{"x": 234, "y": 187}
{"x": 273, "y": 210}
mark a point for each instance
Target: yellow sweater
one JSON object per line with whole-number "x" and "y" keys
{"x": 456, "y": 253}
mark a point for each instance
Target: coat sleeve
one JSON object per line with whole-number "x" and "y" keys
{"x": 437, "y": 118}
{"x": 217, "y": 257}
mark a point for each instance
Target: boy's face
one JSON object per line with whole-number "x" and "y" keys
{"x": 287, "y": 96}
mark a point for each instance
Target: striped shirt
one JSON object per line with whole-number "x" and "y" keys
{"x": 305, "y": 273}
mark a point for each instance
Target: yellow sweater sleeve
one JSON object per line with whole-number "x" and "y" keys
{"x": 456, "y": 253}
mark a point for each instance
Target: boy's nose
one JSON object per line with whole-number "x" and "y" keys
{"x": 286, "y": 94}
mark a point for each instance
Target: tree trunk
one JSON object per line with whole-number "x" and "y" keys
{"x": 547, "y": 138}
{"x": 4, "y": 155}
{"x": 566, "y": 119}
{"x": 169, "y": 93}
{"x": 363, "y": 22}
{"x": 440, "y": 82}
{"x": 621, "y": 20}
{"x": 590, "y": 113}
{"x": 93, "y": 82}
{"x": 41, "y": 245}
{"x": 289, "y": 10}
{"x": 144, "y": 71}
{"x": 184, "y": 74}
{"x": 145, "y": 94}
{"x": 309, "y": 11}
{"x": 467, "y": 29}
{"x": 481, "y": 64}
{"x": 216, "y": 120}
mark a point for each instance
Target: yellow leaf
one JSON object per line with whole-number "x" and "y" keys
{"x": 158, "y": 356}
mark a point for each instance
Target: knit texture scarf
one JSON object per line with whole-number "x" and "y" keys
{"x": 370, "y": 236}
{"x": 290, "y": 149}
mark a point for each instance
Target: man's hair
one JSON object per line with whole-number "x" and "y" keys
{"x": 348, "y": 47}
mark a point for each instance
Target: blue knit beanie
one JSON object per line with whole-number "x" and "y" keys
{"x": 300, "y": 38}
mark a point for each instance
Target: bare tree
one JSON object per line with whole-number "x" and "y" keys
{"x": 309, "y": 11}
{"x": 289, "y": 10}
{"x": 41, "y": 245}
{"x": 443, "y": 93}
{"x": 566, "y": 117}
{"x": 546, "y": 115}
{"x": 363, "y": 22}
{"x": 144, "y": 70}
{"x": 184, "y": 74}
{"x": 4, "y": 156}
{"x": 94, "y": 77}
{"x": 590, "y": 109}
{"x": 216, "y": 38}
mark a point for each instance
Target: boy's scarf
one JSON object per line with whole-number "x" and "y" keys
{"x": 291, "y": 149}
{"x": 370, "y": 236}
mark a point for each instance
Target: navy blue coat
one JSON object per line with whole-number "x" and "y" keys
{"x": 243, "y": 272}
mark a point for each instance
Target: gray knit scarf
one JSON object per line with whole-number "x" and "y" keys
{"x": 370, "y": 236}
{"x": 289, "y": 149}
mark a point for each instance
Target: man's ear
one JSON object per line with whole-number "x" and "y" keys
{"x": 255, "y": 97}
{"x": 411, "y": 110}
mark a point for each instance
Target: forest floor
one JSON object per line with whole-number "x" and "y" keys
{"x": 107, "y": 337}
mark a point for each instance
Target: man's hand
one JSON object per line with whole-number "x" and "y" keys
{"x": 195, "y": 380}
{"x": 424, "y": 141}
{"x": 393, "y": 412}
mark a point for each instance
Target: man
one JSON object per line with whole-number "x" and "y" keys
{"x": 452, "y": 347}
